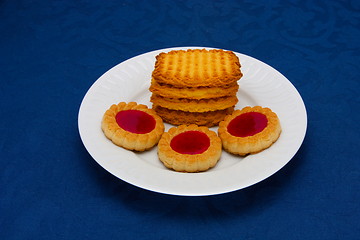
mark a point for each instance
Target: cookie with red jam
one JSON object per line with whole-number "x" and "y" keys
{"x": 189, "y": 148}
{"x": 249, "y": 130}
{"x": 132, "y": 126}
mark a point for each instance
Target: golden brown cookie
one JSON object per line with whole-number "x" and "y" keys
{"x": 189, "y": 148}
{"x": 191, "y": 105}
{"x": 132, "y": 126}
{"x": 169, "y": 91}
{"x": 197, "y": 68}
{"x": 177, "y": 117}
{"x": 249, "y": 130}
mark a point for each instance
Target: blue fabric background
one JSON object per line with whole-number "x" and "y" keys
{"x": 52, "y": 51}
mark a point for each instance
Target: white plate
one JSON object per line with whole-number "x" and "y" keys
{"x": 129, "y": 81}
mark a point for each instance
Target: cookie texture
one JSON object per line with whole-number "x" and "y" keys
{"x": 129, "y": 139}
{"x": 191, "y": 105}
{"x": 263, "y": 138}
{"x": 197, "y": 161}
{"x": 195, "y": 82}
{"x": 170, "y": 91}
{"x": 178, "y": 117}
{"x": 197, "y": 67}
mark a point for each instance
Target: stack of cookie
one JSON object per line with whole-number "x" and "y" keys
{"x": 196, "y": 86}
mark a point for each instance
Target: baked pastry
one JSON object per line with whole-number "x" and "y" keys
{"x": 170, "y": 91}
{"x": 249, "y": 130}
{"x": 190, "y": 105}
{"x": 132, "y": 126}
{"x": 197, "y": 68}
{"x": 189, "y": 148}
{"x": 178, "y": 117}
{"x": 195, "y": 82}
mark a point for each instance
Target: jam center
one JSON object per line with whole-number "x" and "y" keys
{"x": 135, "y": 121}
{"x": 190, "y": 142}
{"x": 247, "y": 124}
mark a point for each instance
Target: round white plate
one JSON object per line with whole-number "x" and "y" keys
{"x": 129, "y": 81}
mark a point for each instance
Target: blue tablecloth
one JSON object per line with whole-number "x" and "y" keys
{"x": 51, "y": 52}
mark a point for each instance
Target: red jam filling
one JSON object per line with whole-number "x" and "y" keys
{"x": 135, "y": 121}
{"x": 247, "y": 124}
{"x": 190, "y": 142}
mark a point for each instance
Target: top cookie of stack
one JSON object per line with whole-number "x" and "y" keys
{"x": 195, "y": 86}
